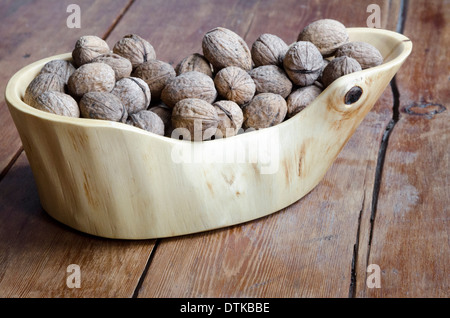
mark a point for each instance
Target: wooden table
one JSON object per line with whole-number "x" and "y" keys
{"x": 382, "y": 207}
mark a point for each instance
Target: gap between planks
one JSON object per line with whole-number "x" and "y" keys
{"x": 380, "y": 162}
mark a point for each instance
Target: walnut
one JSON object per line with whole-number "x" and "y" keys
{"x": 156, "y": 74}
{"x": 366, "y": 54}
{"x": 271, "y": 79}
{"x": 265, "y": 110}
{"x": 326, "y": 34}
{"x": 194, "y": 62}
{"x": 133, "y": 93}
{"x": 57, "y": 103}
{"x": 92, "y": 77}
{"x": 195, "y": 119}
{"x": 303, "y": 63}
{"x": 121, "y": 66}
{"x": 223, "y": 47}
{"x": 189, "y": 85}
{"x": 88, "y": 47}
{"x": 135, "y": 49}
{"x": 165, "y": 113}
{"x": 42, "y": 83}
{"x": 148, "y": 121}
{"x": 231, "y": 118}
{"x": 268, "y": 49}
{"x": 103, "y": 105}
{"x": 62, "y": 68}
{"x": 301, "y": 98}
{"x": 235, "y": 84}
{"x": 338, "y": 67}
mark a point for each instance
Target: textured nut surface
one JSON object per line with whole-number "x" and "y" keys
{"x": 156, "y": 74}
{"x": 195, "y": 119}
{"x": 303, "y": 63}
{"x": 231, "y": 118}
{"x": 42, "y": 83}
{"x": 121, "y": 66}
{"x": 134, "y": 48}
{"x": 62, "y": 68}
{"x": 194, "y": 62}
{"x": 326, "y": 34}
{"x": 338, "y": 67}
{"x": 265, "y": 110}
{"x": 300, "y": 98}
{"x": 133, "y": 93}
{"x": 165, "y": 113}
{"x": 222, "y": 47}
{"x": 366, "y": 54}
{"x": 268, "y": 49}
{"x": 57, "y": 103}
{"x": 92, "y": 77}
{"x": 148, "y": 121}
{"x": 87, "y": 48}
{"x": 102, "y": 105}
{"x": 235, "y": 84}
{"x": 271, "y": 79}
{"x": 189, "y": 85}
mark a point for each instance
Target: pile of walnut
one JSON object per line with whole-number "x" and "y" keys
{"x": 221, "y": 93}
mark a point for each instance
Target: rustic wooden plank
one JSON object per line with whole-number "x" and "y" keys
{"x": 306, "y": 250}
{"x": 410, "y": 240}
{"x": 32, "y": 30}
{"x": 36, "y": 250}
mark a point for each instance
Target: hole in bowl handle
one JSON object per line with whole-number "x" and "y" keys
{"x": 353, "y": 95}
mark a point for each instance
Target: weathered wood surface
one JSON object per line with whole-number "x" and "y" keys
{"x": 318, "y": 247}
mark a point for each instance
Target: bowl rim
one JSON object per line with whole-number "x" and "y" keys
{"x": 13, "y": 89}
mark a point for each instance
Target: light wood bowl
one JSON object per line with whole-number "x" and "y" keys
{"x": 113, "y": 180}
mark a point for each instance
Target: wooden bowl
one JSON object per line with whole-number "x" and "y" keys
{"x": 113, "y": 180}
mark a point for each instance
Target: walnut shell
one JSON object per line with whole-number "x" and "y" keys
{"x": 62, "y": 68}
{"x": 92, "y": 77}
{"x": 195, "y": 119}
{"x": 268, "y": 49}
{"x": 194, "y": 62}
{"x": 235, "y": 84}
{"x": 231, "y": 118}
{"x": 303, "y": 63}
{"x": 338, "y": 67}
{"x": 326, "y": 34}
{"x": 87, "y": 48}
{"x": 366, "y": 54}
{"x": 156, "y": 74}
{"x": 133, "y": 93}
{"x": 165, "y": 113}
{"x": 42, "y": 83}
{"x": 103, "y": 105}
{"x": 122, "y": 67}
{"x": 135, "y": 49}
{"x": 57, "y": 103}
{"x": 189, "y": 85}
{"x": 148, "y": 121}
{"x": 300, "y": 98}
{"x": 265, "y": 110}
{"x": 222, "y": 47}
{"x": 271, "y": 79}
